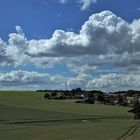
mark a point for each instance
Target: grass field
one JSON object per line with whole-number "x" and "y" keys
{"x": 27, "y": 116}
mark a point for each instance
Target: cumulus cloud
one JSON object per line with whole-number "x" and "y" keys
{"x": 115, "y": 82}
{"x": 3, "y": 58}
{"x": 13, "y": 52}
{"x": 103, "y": 33}
{"x": 22, "y": 77}
{"x": 17, "y": 46}
{"x": 102, "y": 36}
{"x": 79, "y": 81}
{"x": 85, "y": 68}
{"x": 33, "y": 80}
{"x": 104, "y": 39}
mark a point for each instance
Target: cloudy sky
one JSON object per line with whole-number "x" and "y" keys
{"x": 65, "y": 44}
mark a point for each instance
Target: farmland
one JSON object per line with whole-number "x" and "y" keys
{"x": 26, "y": 115}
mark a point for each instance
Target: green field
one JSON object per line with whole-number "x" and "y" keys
{"x": 27, "y": 116}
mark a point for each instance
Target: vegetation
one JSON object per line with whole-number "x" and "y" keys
{"x": 26, "y": 115}
{"x": 136, "y": 109}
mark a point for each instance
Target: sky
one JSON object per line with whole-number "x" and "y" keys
{"x": 66, "y": 44}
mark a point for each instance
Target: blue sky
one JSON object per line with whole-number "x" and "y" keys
{"x": 40, "y": 18}
{"x": 53, "y": 43}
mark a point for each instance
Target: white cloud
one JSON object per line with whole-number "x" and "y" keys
{"x": 81, "y": 68}
{"x": 25, "y": 80}
{"x": 115, "y": 82}
{"x": 62, "y": 1}
{"x": 103, "y": 36}
{"x": 104, "y": 39}
{"x": 103, "y": 33}
{"x": 22, "y": 77}
{"x": 138, "y": 9}
{"x": 13, "y": 52}
{"x": 86, "y": 3}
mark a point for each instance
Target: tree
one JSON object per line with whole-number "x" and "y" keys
{"x": 47, "y": 95}
{"x": 90, "y": 95}
{"x": 136, "y": 109}
{"x": 120, "y": 100}
{"x": 53, "y": 94}
{"x": 76, "y": 91}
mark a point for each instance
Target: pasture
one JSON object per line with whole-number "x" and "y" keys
{"x": 27, "y": 116}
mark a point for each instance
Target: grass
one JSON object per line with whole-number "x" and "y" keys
{"x": 103, "y": 130}
{"x": 25, "y": 115}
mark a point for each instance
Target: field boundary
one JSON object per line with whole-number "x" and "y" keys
{"x": 97, "y": 119}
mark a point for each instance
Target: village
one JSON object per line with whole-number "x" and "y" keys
{"x": 128, "y": 98}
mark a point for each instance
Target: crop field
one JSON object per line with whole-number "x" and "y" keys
{"x": 27, "y": 116}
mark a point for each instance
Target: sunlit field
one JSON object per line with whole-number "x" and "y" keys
{"x": 27, "y": 116}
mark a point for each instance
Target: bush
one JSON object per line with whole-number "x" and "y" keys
{"x": 53, "y": 94}
{"x": 47, "y": 95}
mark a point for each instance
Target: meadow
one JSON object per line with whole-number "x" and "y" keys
{"x": 27, "y": 116}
